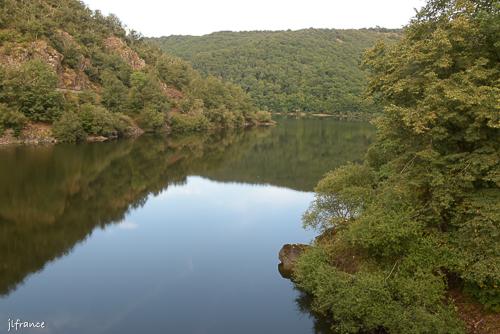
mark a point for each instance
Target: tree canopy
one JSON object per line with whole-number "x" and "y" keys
{"x": 421, "y": 218}
{"x": 311, "y": 70}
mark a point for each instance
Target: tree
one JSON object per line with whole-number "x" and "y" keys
{"x": 114, "y": 93}
{"x": 431, "y": 213}
{"x": 32, "y": 89}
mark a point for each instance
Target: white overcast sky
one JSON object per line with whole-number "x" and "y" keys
{"x": 198, "y": 17}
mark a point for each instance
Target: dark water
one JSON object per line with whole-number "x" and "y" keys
{"x": 164, "y": 235}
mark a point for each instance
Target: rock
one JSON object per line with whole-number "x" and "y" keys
{"x": 119, "y": 47}
{"x": 94, "y": 139}
{"x": 289, "y": 254}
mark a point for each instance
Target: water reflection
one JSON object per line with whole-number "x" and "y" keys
{"x": 53, "y": 198}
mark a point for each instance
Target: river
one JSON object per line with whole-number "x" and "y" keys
{"x": 164, "y": 235}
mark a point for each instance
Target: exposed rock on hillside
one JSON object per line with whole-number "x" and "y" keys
{"x": 118, "y": 46}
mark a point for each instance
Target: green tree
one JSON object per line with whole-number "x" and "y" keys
{"x": 114, "y": 93}
{"x": 146, "y": 91}
{"x": 430, "y": 210}
{"x": 32, "y": 89}
{"x": 69, "y": 128}
{"x": 11, "y": 119}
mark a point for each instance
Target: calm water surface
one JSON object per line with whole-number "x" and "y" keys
{"x": 177, "y": 235}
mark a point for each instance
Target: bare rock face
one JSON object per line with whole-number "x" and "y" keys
{"x": 20, "y": 53}
{"x": 118, "y": 46}
{"x": 171, "y": 92}
{"x": 288, "y": 255}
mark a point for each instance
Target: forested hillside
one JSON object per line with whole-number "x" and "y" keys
{"x": 411, "y": 237}
{"x": 65, "y": 65}
{"x": 312, "y": 70}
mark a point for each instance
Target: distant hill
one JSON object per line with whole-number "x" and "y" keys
{"x": 71, "y": 73}
{"x": 311, "y": 70}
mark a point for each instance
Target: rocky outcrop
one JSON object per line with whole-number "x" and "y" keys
{"x": 288, "y": 255}
{"x": 119, "y": 47}
{"x": 171, "y": 92}
{"x": 75, "y": 81}
{"x": 16, "y": 54}
{"x": 34, "y": 133}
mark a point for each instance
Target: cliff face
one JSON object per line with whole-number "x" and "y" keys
{"x": 129, "y": 56}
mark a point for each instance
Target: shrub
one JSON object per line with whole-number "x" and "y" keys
{"x": 12, "y": 119}
{"x": 145, "y": 91}
{"x": 374, "y": 300}
{"x": 188, "y": 123}
{"x": 151, "y": 120}
{"x": 32, "y": 89}
{"x": 124, "y": 124}
{"x": 222, "y": 117}
{"x": 263, "y": 116}
{"x": 98, "y": 121}
{"x": 114, "y": 92}
{"x": 340, "y": 196}
{"x": 69, "y": 128}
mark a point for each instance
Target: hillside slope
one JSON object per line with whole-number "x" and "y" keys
{"x": 65, "y": 65}
{"x": 311, "y": 70}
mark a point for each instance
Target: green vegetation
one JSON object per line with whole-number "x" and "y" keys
{"x": 61, "y": 62}
{"x": 421, "y": 217}
{"x": 11, "y": 118}
{"x": 31, "y": 88}
{"x": 312, "y": 70}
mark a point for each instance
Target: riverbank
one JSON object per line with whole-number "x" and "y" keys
{"x": 347, "y": 116}
{"x": 42, "y": 134}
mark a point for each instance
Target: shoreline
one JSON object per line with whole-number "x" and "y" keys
{"x": 35, "y": 134}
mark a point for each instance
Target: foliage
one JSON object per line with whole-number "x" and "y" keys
{"x": 340, "y": 197}
{"x": 369, "y": 301}
{"x": 114, "y": 93}
{"x": 146, "y": 91}
{"x": 57, "y": 49}
{"x": 263, "y": 116}
{"x": 312, "y": 70}
{"x": 96, "y": 120}
{"x": 11, "y": 119}
{"x": 69, "y": 128}
{"x": 188, "y": 122}
{"x": 150, "y": 120}
{"x": 31, "y": 89}
{"x": 425, "y": 206}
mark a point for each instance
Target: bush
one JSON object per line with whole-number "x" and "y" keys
{"x": 374, "y": 300}
{"x": 223, "y": 118}
{"x": 114, "y": 93}
{"x": 69, "y": 128}
{"x": 262, "y": 116}
{"x": 340, "y": 196}
{"x": 11, "y": 119}
{"x": 32, "y": 89}
{"x": 146, "y": 92}
{"x": 183, "y": 123}
{"x": 98, "y": 121}
{"x": 124, "y": 124}
{"x": 151, "y": 120}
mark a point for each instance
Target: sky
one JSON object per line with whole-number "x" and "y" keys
{"x": 154, "y": 18}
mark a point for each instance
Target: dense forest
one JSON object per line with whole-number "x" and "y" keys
{"x": 65, "y": 65}
{"x": 311, "y": 70}
{"x": 410, "y": 240}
